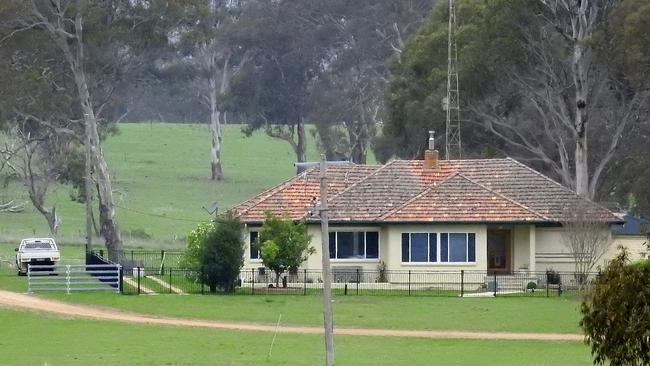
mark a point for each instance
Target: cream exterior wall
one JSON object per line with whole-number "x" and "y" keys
{"x": 552, "y": 253}
{"x": 390, "y": 248}
{"x": 546, "y": 244}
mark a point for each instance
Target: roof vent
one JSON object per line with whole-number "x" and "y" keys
{"x": 431, "y": 160}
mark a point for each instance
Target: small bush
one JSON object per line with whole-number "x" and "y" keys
{"x": 383, "y": 276}
{"x": 531, "y": 286}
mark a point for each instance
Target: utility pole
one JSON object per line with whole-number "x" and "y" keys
{"x": 88, "y": 193}
{"x": 328, "y": 313}
{"x": 451, "y": 104}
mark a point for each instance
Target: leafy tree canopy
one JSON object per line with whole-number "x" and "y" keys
{"x": 285, "y": 244}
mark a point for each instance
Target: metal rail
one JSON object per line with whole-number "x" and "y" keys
{"x": 69, "y": 278}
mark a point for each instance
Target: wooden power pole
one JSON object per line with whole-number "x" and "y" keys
{"x": 328, "y": 312}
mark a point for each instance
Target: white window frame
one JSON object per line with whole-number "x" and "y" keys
{"x": 250, "y": 248}
{"x": 365, "y": 241}
{"x": 438, "y": 249}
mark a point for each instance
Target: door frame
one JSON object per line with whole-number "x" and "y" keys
{"x": 508, "y": 247}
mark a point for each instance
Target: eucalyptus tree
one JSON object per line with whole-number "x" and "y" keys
{"x": 534, "y": 85}
{"x": 99, "y": 43}
{"x": 210, "y": 56}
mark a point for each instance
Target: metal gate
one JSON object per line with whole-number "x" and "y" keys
{"x": 68, "y": 278}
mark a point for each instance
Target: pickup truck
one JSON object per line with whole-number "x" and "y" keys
{"x": 41, "y": 251}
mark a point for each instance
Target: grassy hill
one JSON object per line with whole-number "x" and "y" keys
{"x": 161, "y": 174}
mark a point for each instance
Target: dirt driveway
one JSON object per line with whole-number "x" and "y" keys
{"x": 34, "y": 303}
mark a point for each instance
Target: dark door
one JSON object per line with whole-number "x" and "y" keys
{"x": 498, "y": 251}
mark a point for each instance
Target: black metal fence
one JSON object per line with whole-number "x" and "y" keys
{"x": 148, "y": 260}
{"x": 366, "y": 282}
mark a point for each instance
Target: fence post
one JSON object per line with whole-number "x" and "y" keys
{"x": 131, "y": 255}
{"x": 67, "y": 278}
{"x": 496, "y": 286}
{"x": 139, "y": 275}
{"x": 253, "y": 281}
{"x": 546, "y": 284}
{"x": 462, "y": 282}
{"x": 101, "y": 253}
{"x": 162, "y": 262}
{"x": 121, "y": 279}
{"x": 409, "y": 282}
{"x": 170, "y": 281}
{"x": 201, "y": 280}
{"x": 305, "y": 282}
{"x": 358, "y": 280}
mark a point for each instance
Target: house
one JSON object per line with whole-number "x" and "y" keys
{"x": 495, "y": 215}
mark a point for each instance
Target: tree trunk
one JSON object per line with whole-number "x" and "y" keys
{"x": 301, "y": 146}
{"x": 215, "y": 119}
{"x": 215, "y": 132}
{"x": 581, "y": 119}
{"x": 107, "y": 214}
{"x": 213, "y": 289}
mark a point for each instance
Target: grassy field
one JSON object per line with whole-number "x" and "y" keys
{"x": 161, "y": 176}
{"x": 57, "y": 341}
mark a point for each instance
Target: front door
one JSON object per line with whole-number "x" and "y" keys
{"x": 498, "y": 250}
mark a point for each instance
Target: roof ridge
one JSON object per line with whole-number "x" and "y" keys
{"x": 505, "y": 197}
{"x": 329, "y": 199}
{"x": 417, "y": 196}
{"x": 275, "y": 189}
{"x": 562, "y": 186}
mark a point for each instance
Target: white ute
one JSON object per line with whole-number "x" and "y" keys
{"x": 41, "y": 251}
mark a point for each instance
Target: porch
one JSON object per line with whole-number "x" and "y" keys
{"x": 511, "y": 249}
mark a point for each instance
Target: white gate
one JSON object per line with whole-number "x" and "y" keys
{"x": 68, "y": 278}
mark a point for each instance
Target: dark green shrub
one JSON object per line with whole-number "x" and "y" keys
{"x": 216, "y": 252}
{"x": 531, "y": 286}
{"x": 616, "y": 313}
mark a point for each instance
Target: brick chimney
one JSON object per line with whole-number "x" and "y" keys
{"x": 431, "y": 160}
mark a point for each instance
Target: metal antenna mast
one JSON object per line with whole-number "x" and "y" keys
{"x": 451, "y": 102}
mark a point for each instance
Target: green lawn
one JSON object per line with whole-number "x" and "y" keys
{"x": 558, "y": 315}
{"x": 35, "y": 339}
{"x": 161, "y": 176}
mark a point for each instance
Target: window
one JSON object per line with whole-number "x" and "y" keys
{"x": 424, "y": 248}
{"x": 255, "y": 245}
{"x": 419, "y": 247}
{"x": 354, "y": 245}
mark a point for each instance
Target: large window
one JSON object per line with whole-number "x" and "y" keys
{"x": 452, "y": 248}
{"x": 354, "y": 245}
{"x": 255, "y": 245}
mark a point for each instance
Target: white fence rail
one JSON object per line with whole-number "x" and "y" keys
{"x": 69, "y": 278}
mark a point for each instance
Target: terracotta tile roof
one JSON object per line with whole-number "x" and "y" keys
{"x": 383, "y": 190}
{"x": 297, "y": 195}
{"x": 459, "y": 199}
{"x": 479, "y": 190}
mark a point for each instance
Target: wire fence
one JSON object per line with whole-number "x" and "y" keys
{"x": 367, "y": 283}
{"x": 148, "y": 272}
